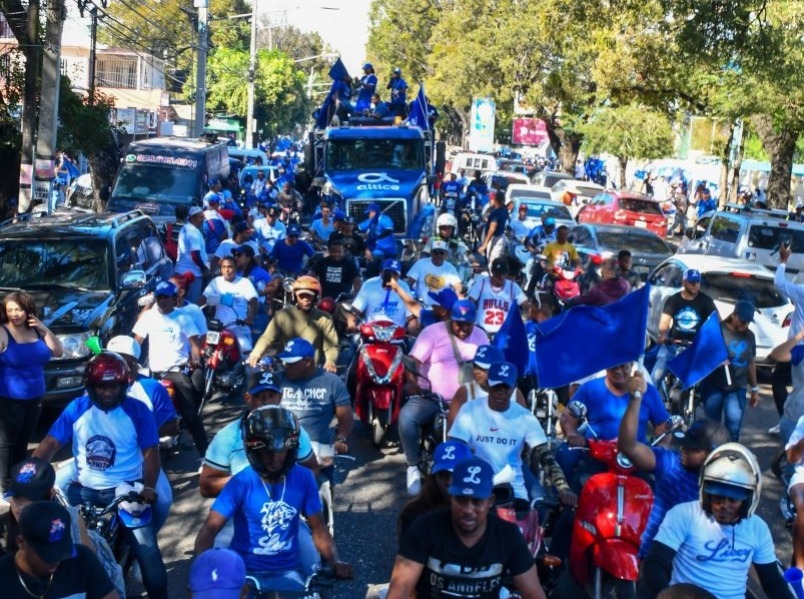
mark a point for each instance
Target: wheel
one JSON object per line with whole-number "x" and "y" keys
{"x": 779, "y": 463}
{"x": 209, "y": 376}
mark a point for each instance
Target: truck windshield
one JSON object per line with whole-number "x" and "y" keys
{"x": 156, "y": 183}
{"x": 361, "y": 154}
{"x": 78, "y": 263}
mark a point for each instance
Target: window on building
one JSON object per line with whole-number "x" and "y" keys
{"x": 118, "y": 72}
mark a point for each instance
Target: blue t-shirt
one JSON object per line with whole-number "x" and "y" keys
{"x": 266, "y": 517}
{"x": 227, "y": 453}
{"x": 399, "y": 89}
{"x": 22, "y": 369}
{"x": 289, "y": 258}
{"x": 259, "y": 277}
{"x": 606, "y": 409}
{"x": 154, "y": 395}
{"x": 107, "y": 446}
{"x": 323, "y": 231}
{"x": 380, "y": 231}
{"x": 367, "y": 88}
{"x": 499, "y": 216}
{"x": 674, "y": 484}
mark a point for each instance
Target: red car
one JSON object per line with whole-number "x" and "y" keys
{"x": 625, "y": 208}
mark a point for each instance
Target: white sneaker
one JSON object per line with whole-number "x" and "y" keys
{"x": 414, "y": 481}
{"x": 774, "y": 430}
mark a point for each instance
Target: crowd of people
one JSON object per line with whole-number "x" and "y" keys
{"x": 263, "y": 470}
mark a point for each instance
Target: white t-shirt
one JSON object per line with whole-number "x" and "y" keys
{"x": 715, "y": 557}
{"x": 429, "y": 277}
{"x": 240, "y": 291}
{"x": 519, "y": 228}
{"x": 190, "y": 240}
{"x": 376, "y": 302}
{"x": 227, "y": 245}
{"x": 499, "y": 437}
{"x": 269, "y": 234}
{"x": 168, "y": 337}
{"x": 199, "y": 320}
{"x": 493, "y": 304}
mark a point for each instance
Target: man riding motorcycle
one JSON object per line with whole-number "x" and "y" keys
{"x": 267, "y": 500}
{"x": 458, "y": 253}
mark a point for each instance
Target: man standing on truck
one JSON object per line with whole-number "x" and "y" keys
{"x": 399, "y": 90}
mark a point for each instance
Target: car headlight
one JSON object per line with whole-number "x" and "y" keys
{"x": 74, "y": 345}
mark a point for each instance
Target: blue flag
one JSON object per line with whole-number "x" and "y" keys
{"x": 588, "y": 339}
{"x": 707, "y": 352}
{"x": 512, "y": 339}
{"x": 418, "y": 113}
{"x": 338, "y": 70}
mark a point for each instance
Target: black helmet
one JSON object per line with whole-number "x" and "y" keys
{"x": 705, "y": 435}
{"x": 106, "y": 367}
{"x": 272, "y": 429}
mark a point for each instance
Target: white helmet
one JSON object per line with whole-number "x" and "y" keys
{"x": 733, "y": 471}
{"x": 446, "y": 220}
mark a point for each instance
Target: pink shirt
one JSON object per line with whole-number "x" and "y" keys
{"x": 434, "y": 350}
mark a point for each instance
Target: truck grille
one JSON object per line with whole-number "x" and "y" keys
{"x": 396, "y": 209}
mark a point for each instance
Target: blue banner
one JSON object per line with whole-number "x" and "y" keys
{"x": 512, "y": 339}
{"x": 338, "y": 70}
{"x": 588, "y": 339}
{"x": 707, "y": 352}
{"x": 418, "y": 112}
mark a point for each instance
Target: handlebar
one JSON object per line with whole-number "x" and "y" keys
{"x": 133, "y": 497}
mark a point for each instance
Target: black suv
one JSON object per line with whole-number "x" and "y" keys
{"x": 86, "y": 273}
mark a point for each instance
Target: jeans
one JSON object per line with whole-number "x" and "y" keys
{"x": 416, "y": 414}
{"x": 665, "y": 354}
{"x": 276, "y": 581}
{"x": 142, "y": 540}
{"x": 188, "y": 407}
{"x": 66, "y": 475}
{"x": 718, "y": 402}
{"x": 780, "y": 379}
{"x": 786, "y": 428}
{"x": 18, "y": 419}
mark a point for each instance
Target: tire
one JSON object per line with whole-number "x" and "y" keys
{"x": 377, "y": 432}
{"x": 778, "y": 464}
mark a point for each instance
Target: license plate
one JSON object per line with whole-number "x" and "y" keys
{"x": 213, "y": 337}
{"x": 641, "y": 224}
{"x": 642, "y": 269}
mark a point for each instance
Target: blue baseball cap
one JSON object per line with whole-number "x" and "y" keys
{"x": 296, "y": 350}
{"x": 745, "y": 310}
{"x": 261, "y": 381}
{"x": 367, "y": 66}
{"x": 448, "y": 454}
{"x": 463, "y": 311}
{"x": 217, "y": 574}
{"x": 373, "y": 207}
{"x": 692, "y": 276}
{"x": 166, "y": 288}
{"x": 486, "y": 355}
{"x": 472, "y": 477}
{"x": 338, "y": 215}
{"x": 293, "y": 231}
{"x": 503, "y": 373}
{"x": 549, "y": 221}
{"x": 445, "y": 298}
{"x": 392, "y": 264}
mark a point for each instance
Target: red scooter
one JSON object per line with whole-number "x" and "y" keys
{"x": 566, "y": 284}
{"x": 223, "y": 360}
{"x": 612, "y": 514}
{"x": 380, "y": 376}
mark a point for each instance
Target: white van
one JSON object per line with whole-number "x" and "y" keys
{"x": 485, "y": 163}
{"x": 749, "y": 236}
{"x": 248, "y": 156}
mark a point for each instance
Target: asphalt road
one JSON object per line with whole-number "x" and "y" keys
{"x": 371, "y": 491}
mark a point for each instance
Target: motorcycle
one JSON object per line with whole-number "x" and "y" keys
{"x": 169, "y": 445}
{"x": 314, "y": 587}
{"x": 223, "y": 358}
{"x": 612, "y": 513}
{"x": 566, "y": 284}
{"x": 436, "y": 433}
{"x": 380, "y": 376}
{"x": 284, "y": 297}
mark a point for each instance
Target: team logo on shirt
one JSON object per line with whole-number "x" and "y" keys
{"x": 724, "y": 551}
{"x": 434, "y": 282}
{"x": 276, "y": 519}
{"x": 687, "y": 319}
{"x": 26, "y": 473}
{"x": 101, "y": 453}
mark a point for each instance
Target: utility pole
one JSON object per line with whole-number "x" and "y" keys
{"x": 252, "y": 75}
{"x": 44, "y": 162}
{"x": 93, "y": 45}
{"x": 201, "y": 77}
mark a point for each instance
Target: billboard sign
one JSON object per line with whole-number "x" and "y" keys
{"x": 481, "y": 128}
{"x": 529, "y": 132}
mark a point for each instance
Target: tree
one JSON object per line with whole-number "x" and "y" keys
{"x": 630, "y": 131}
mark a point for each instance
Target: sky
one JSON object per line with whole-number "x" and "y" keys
{"x": 345, "y": 29}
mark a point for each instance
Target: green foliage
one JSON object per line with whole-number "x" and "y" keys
{"x": 84, "y": 128}
{"x": 279, "y": 94}
{"x": 630, "y": 131}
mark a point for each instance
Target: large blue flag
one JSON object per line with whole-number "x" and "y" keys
{"x": 418, "y": 113}
{"x": 338, "y": 70}
{"x": 323, "y": 114}
{"x": 512, "y": 339}
{"x": 588, "y": 339}
{"x": 707, "y": 352}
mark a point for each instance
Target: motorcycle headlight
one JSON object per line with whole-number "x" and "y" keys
{"x": 75, "y": 345}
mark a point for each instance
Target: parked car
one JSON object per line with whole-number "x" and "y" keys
{"x": 520, "y": 190}
{"x": 752, "y": 237}
{"x": 502, "y": 179}
{"x": 625, "y": 208}
{"x": 726, "y": 281}
{"x": 538, "y": 207}
{"x": 550, "y": 178}
{"x": 647, "y": 249}
{"x": 271, "y": 173}
{"x": 86, "y": 273}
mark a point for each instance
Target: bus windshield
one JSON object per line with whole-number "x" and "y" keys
{"x": 361, "y": 154}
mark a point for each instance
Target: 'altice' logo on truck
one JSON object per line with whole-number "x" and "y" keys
{"x": 378, "y": 181}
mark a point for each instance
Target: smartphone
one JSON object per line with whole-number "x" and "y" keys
{"x": 787, "y": 241}
{"x": 387, "y": 275}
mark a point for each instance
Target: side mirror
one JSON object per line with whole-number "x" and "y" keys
{"x": 133, "y": 279}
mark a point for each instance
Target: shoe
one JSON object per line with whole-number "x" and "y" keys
{"x": 774, "y": 430}
{"x": 414, "y": 481}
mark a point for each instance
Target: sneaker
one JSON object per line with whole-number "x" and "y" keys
{"x": 414, "y": 481}
{"x": 774, "y": 430}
